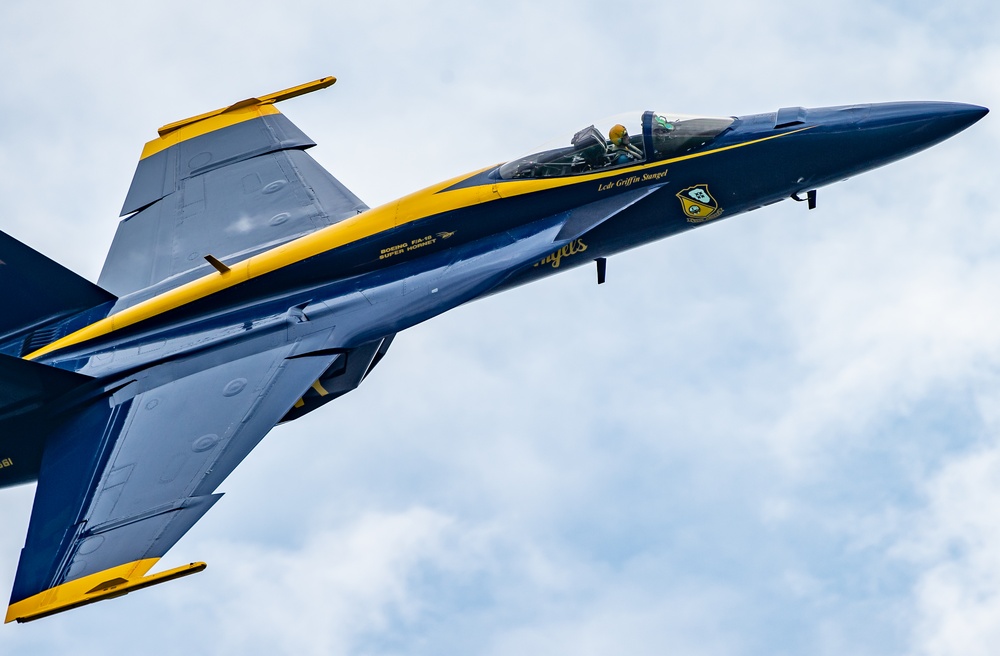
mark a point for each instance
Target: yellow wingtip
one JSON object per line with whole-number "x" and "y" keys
{"x": 244, "y": 110}
{"x": 107, "y": 584}
{"x": 267, "y": 99}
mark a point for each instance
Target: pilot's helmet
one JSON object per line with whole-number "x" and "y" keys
{"x": 619, "y": 135}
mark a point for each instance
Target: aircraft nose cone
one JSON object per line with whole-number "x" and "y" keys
{"x": 922, "y": 124}
{"x": 838, "y": 142}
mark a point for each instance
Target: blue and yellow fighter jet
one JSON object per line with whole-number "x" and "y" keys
{"x": 246, "y": 287}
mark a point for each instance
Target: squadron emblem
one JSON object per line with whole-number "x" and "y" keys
{"x": 699, "y": 205}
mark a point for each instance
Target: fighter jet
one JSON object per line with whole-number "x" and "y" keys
{"x": 246, "y": 287}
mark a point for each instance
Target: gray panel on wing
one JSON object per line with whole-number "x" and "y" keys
{"x": 178, "y": 442}
{"x": 232, "y": 213}
{"x": 161, "y": 173}
{"x": 175, "y": 432}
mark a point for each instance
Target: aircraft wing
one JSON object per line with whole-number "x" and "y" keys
{"x": 230, "y": 184}
{"x": 124, "y": 478}
{"x": 125, "y": 474}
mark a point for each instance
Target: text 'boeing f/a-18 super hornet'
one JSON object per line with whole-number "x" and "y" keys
{"x": 246, "y": 287}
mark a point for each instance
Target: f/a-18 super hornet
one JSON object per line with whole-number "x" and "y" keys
{"x": 246, "y": 287}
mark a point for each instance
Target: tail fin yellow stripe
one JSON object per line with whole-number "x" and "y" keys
{"x": 244, "y": 110}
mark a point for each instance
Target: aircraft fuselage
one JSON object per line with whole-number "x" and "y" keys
{"x": 391, "y": 267}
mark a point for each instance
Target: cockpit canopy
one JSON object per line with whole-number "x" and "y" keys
{"x": 621, "y": 140}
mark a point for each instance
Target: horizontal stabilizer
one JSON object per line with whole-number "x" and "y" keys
{"x": 27, "y": 385}
{"x": 35, "y": 289}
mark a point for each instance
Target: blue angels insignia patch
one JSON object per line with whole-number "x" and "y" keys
{"x": 699, "y": 205}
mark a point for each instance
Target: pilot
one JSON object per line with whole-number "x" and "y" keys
{"x": 622, "y": 151}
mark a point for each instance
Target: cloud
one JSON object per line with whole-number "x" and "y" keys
{"x": 954, "y": 541}
{"x": 365, "y": 588}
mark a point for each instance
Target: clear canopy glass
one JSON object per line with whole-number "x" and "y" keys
{"x": 618, "y": 141}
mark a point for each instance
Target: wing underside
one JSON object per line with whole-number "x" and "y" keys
{"x": 127, "y": 476}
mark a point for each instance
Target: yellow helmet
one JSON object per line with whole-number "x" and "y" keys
{"x": 619, "y": 135}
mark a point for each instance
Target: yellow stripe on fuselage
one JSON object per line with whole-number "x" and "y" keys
{"x": 531, "y": 185}
{"x": 419, "y": 205}
{"x": 385, "y": 217}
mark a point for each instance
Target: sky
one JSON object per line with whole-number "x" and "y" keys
{"x": 779, "y": 434}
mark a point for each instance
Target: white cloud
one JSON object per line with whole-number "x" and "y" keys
{"x": 955, "y": 542}
{"x": 287, "y": 604}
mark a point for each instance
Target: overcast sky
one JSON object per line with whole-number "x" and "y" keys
{"x": 775, "y": 435}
